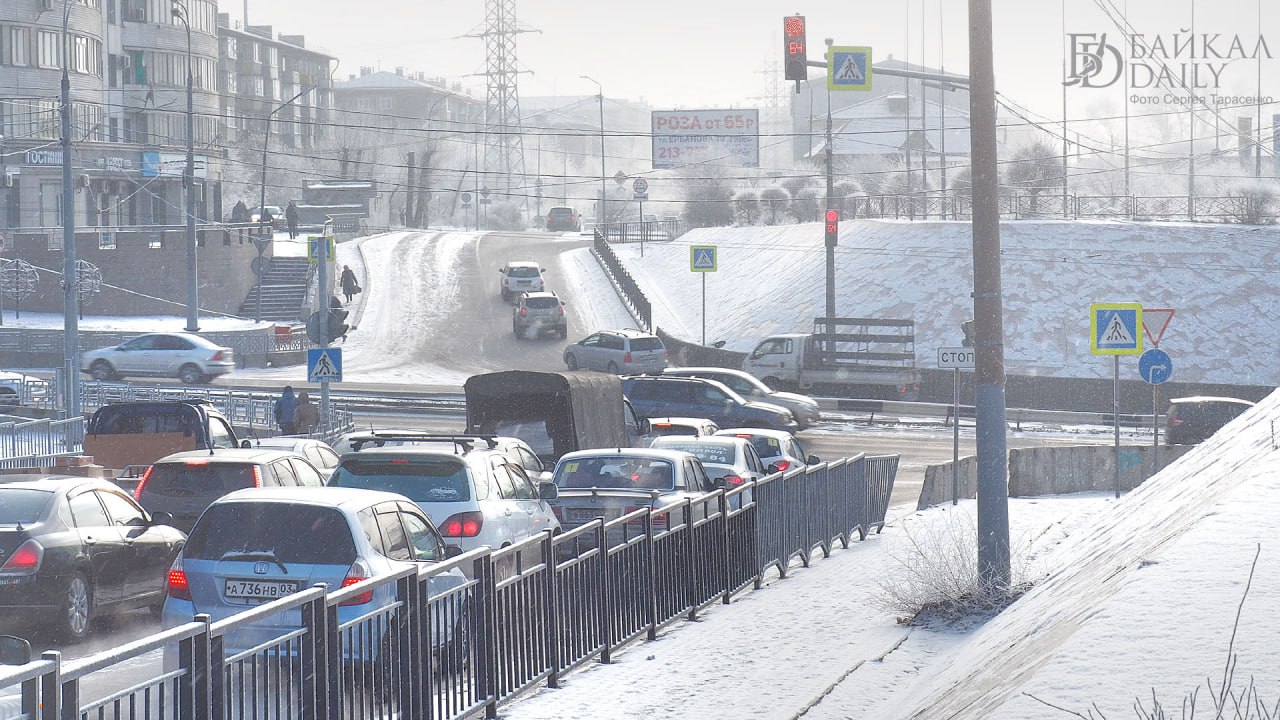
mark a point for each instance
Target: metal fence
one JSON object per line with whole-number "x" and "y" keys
{"x": 631, "y": 293}
{"x": 639, "y": 231}
{"x": 40, "y": 441}
{"x": 525, "y": 615}
{"x": 1053, "y": 204}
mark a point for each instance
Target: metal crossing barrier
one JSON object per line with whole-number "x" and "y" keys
{"x": 525, "y": 615}
{"x": 23, "y": 444}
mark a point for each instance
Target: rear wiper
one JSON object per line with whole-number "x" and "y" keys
{"x": 255, "y": 555}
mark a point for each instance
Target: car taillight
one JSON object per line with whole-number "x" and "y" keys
{"x": 355, "y": 574}
{"x": 176, "y": 586}
{"x": 627, "y": 358}
{"x": 782, "y": 465}
{"x": 524, "y": 311}
{"x": 658, "y": 520}
{"x": 733, "y": 480}
{"x": 25, "y": 560}
{"x": 217, "y": 357}
{"x": 137, "y": 492}
{"x": 463, "y": 524}
{"x": 561, "y": 310}
{"x": 257, "y": 477}
{"x": 665, "y": 357}
{"x": 1174, "y": 420}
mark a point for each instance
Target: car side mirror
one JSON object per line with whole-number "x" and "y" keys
{"x": 812, "y": 460}
{"x": 246, "y": 444}
{"x": 645, "y": 426}
{"x": 502, "y": 271}
{"x": 774, "y": 468}
{"x": 547, "y": 490}
{"x": 756, "y": 354}
{"x": 161, "y": 517}
{"x": 717, "y": 483}
{"x": 451, "y": 552}
{"x": 14, "y": 650}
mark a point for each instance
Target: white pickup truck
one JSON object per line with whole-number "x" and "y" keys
{"x": 855, "y": 357}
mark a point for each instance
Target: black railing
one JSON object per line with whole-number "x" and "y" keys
{"x": 435, "y": 644}
{"x": 627, "y": 287}
{"x": 1053, "y": 204}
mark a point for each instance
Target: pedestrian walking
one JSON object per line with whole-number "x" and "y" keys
{"x": 306, "y": 417}
{"x": 286, "y": 410}
{"x": 291, "y": 217}
{"x": 350, "y": 286}
{"x": 240, "y": 213}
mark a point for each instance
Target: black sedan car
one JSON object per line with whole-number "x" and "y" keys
{"x": 73, "y": 548}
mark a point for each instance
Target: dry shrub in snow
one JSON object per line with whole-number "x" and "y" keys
{"x": 936, "y": 579}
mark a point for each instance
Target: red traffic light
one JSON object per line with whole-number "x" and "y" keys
{"x": 833, "y": 216}
{"x": 793, "y": 26}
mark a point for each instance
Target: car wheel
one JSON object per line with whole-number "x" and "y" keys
{"x": 102, "y": 370}
{"x": 506, "y": 296}
{"x": 76, "y": 610}
{"x": 515, "y": 330}
{"x": 564, "y": 333}
{"x": 613, "y": 368}
{"x": 189, "y": 374}
{"x": 571, "y": 361}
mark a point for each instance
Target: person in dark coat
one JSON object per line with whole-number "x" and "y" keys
{"x": 349, "y": 284}
{"x": 240, "y": 212}
{"x": 307, "y": 416}
{"x": 291, "y": 217}
{"x": 285, "y": 410}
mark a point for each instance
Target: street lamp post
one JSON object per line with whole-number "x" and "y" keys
{"x": 262, "y": 197}
{"x": 70, "y": 294}
{"x": 179, "y": 11}
{"x": 600, "y": 97}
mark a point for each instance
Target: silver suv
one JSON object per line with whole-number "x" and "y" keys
{"x": 618, "y": 351}
{"x": 538, "y": 312}
{"x": 520, "y": 276}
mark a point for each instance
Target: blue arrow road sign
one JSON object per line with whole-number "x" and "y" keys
{"x": 1155, "y": 366}
{"x": 324, "y": 365}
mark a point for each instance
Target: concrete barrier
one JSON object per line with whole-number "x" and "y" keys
{"x": 1054, "y": 471}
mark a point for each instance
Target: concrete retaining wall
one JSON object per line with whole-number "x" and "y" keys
{"x": 1054, "y": 471}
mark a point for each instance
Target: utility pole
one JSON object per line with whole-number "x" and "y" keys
{"x": 993, "y": 489}
{"x": 70, "y": 286}
{"x": 179, "y": 11}
{"x": 409, "y": 192}
{"x": 831, "y": 244}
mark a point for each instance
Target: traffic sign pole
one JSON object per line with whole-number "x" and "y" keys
{"x": 955, "y": 438}
{"x": 1115, "y": 415}
{"x": 322, "y": 299}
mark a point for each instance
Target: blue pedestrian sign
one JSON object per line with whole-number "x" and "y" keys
{"x": 324, "y": 365}
{"x": 849, "y": 68}
{"x": 702, "y": 258}
{"x": 1115, "y": 328}
{"x": 1155, "y": 366}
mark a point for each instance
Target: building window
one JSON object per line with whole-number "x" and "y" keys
{"x": 229, "y": 47}
{"x": 232, "y": 86}
{"x": 48, "y": 120}
{"x": 384, "y": 103}
{"x": 255, "y": 86}
{"x": 47, "y": 52}
{"x": 19, "y": 42}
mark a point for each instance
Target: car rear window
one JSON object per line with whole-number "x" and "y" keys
{"x": 646, "y": 343}
{"x": 719, "y": 453}
{"x": 22, "y": 505}
{"x": 304, "y": 534}
{"x": 150, "y": 419}
{"x": 522, "y": 272}
{"x": 420, "y": 480}
{"x": 765, "y": 446}
{"x": 625, "y": 472}
{"x": 1209, "y": 413}
{"x": 198, "y": 479}
{"x": 665, "y": 429}
{"x": 561, "y": 212}
{"x": 541, "y": 303}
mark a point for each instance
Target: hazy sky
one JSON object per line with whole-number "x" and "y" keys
{"x": 714, "y": 53}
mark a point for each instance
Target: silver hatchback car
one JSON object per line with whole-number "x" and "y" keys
{"x": 190, "y": 358}
{"x": 618, "y": 351}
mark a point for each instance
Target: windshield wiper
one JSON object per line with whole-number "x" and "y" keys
{"x": 255, "y": 555}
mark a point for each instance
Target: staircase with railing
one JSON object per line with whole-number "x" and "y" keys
{"x": 283, "y": 288}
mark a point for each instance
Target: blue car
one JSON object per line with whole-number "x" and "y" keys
{"x": 666, "y": 395}
{"x": 262, "y": 544}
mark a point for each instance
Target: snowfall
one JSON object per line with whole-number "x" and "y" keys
{"x": 1147, "y": 599}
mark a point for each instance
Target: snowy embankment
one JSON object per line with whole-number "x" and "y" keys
{"x": 772, "y": 279}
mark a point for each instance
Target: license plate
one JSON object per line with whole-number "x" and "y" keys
{"x": 258, "y": 589}
{"x": 587, "y": 514}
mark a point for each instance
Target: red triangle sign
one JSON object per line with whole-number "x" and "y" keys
{"x": 1154, "y": 322}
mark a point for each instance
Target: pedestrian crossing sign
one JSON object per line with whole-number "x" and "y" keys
{"x": 1115, "y": 328}
{"x": 317, "y": 244}
{"x": 324, "y": 365}
{"x": 702, "y": 258}
{"x": 849, "y": 68}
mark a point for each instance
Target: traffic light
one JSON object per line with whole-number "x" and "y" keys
{"x": 337, "y": 324}
{"x": 325, "y": 329}
{"x": 795, "y": 56}
{"x": 967, "y": 328}
{"x": 833, "y": 226}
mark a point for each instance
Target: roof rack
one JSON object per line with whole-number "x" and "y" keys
{"x": 463, "y": 441}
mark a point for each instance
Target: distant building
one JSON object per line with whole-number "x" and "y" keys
{"x": 278, "y": 77}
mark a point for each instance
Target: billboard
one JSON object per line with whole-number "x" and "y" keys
{"x": 722, "y": 137}
{"x": 162, "y": 164}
